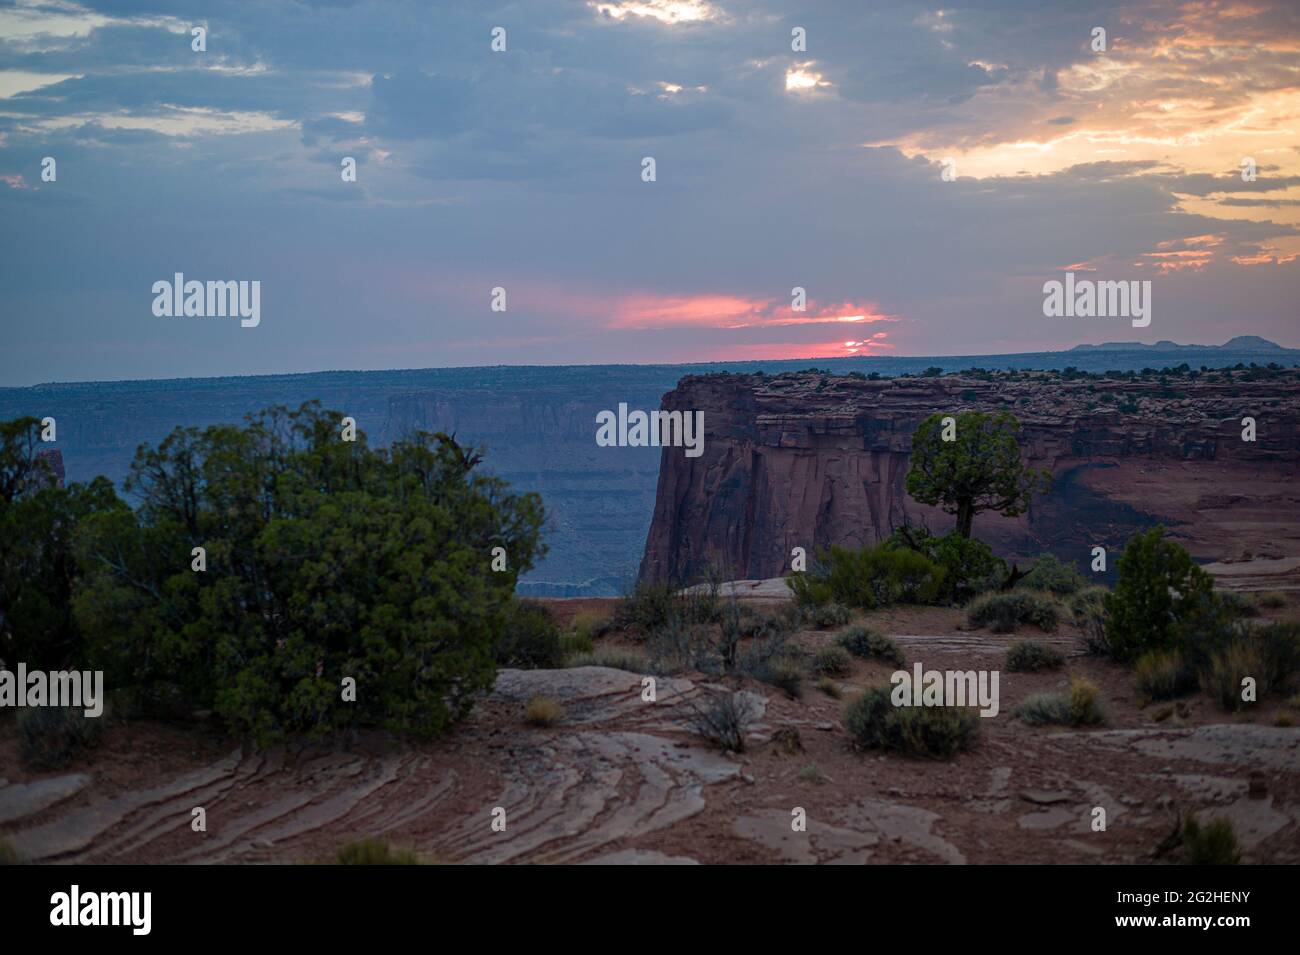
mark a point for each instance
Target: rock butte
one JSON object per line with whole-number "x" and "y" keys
{"x": 809, "y": 460}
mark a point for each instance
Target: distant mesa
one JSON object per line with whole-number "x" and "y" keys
{"x": 1242, "y": 343}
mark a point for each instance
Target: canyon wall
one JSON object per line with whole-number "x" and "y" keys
{"x": 537, "y": 425}
{"x": 810, "y": 460}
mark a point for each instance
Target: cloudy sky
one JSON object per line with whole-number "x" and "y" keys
{"x": 522, "y": 169}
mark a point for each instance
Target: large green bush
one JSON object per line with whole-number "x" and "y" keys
{"x": 326, "y": 560}
{"x": 1269, "y": 655}
{"x": 1158, "y": 586}
{"x": 1082, "y": 706}
{"x": 969, "y": 565}
{"x": 1005, "y": 612}
{"x": 1163, "y": 675}
{"x": 871, "y": 644}
{"x": 1033, "y": 656}
{"x": 38, "y": 568}
{"x": 1054, "y": 575}
{"x": 871, "y": 577}
{"x": 937, "y": 732}
{"x": 831, "y": 661}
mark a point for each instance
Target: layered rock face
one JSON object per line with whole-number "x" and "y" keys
{"x": 810, "y": 460}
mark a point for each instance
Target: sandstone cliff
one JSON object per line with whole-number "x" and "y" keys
{"x": 809, "y": 460}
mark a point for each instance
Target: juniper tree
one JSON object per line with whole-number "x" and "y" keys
{"x": 979, "y": 469}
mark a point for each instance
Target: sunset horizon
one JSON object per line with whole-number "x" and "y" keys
{"x": 907, "y": 193}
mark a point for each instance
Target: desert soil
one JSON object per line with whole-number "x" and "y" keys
{"x": 622, "y": 780}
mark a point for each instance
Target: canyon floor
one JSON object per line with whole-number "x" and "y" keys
{"x": 622, "y": 781}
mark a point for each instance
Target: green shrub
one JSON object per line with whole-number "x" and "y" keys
{"x": 1080, "y": 707}
{"x": 829, "y": 615}
{"x": 8, "y": 854}
{"x": 742, "y": 641}
{"x": 1044, "y": 709}
{"x": 591, "y": 625}
{"x": 784, "y": 674}
{"x": 788, "y": 617}
{"x": 1088, "y": 607}
{"x": 374, "y": 852}
{"x": 1242, "y": 606}
{"x": 649, "y": 607}
{"x": 969, "y": 565}
{"x": 809, "y": 591}
{"x": 50, "y": 737}
{"x": 937, "y": 732}
{"x": 832, "y": 661}
{"x": 657, "y": 606}
{"x": 1270, "y": 655}
{"x": 1205, "y": 625}
{"x": 867, "y": 578}
{"x": 1085, "y": 703}
{"x": 1158, "y": 584}
{"x": 830, "y": 688}
{"x": 1163, "y": 675}
{"x": 1005, "y": 612}
{"x": 529, "y": 640}
{"x": 1053, "y": 575}
{"x": 1272, "y": 600}
{"x": 677, "y": 648}
{"x": 1280, "y": 644}
{"x": 1214, "y": 843}
{"x": 724, "y": 720}
{"x": 1031, "y": 656}
{"x": 576, "y": 641}
{"x": 870, "y": 644}
{"x": 543, "y": 711}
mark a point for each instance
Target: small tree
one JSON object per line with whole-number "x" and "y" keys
{"x": 978, "y": 470}
{"x": 1159, "y": 589}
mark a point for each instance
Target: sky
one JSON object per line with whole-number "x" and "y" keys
{"x": 919, "y": 170}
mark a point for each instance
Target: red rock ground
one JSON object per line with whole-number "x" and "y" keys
{"x": 618, "y": 780}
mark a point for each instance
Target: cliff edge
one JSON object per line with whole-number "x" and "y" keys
{"x": 810, "y": 459}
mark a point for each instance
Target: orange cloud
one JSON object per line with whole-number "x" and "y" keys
{"x": 780, "y": 351}
{"x": 731, "y": 311}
